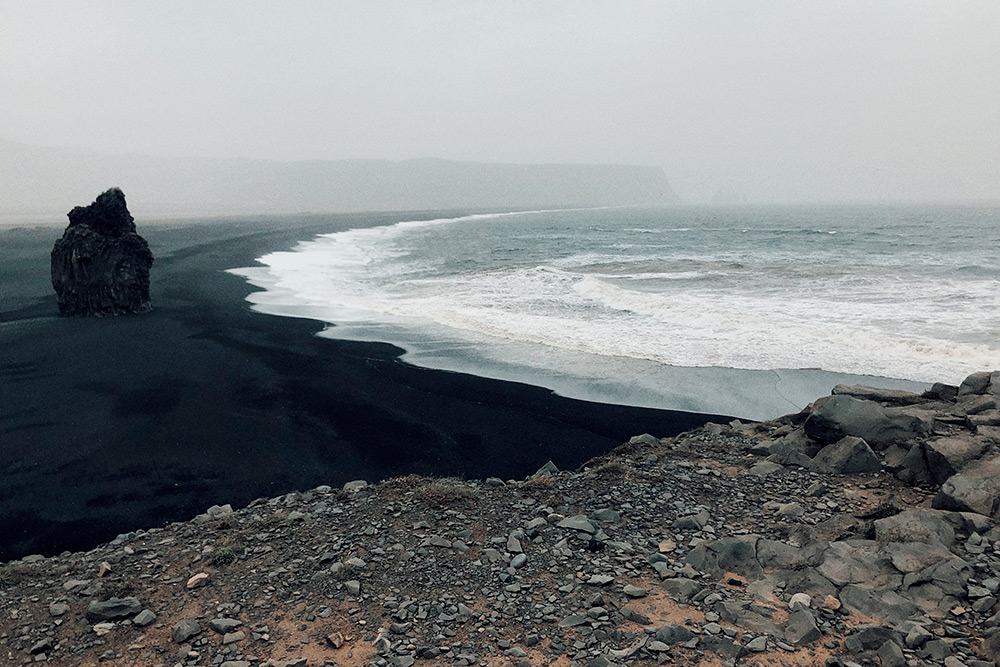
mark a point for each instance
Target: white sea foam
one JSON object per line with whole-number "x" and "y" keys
{"x": 535, "y": 281}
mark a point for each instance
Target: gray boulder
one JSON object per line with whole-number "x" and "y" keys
{"x": 834, "y": 417}
{"x": 941, "y": 392}
{"x": 847, "y": 456}
{"x": 884, "y": 604}
{"x": 859, "y": 562}
{"x": 871, "y": 637}
{"x": 801, "y": 629}
{"x": 975, "y": 489}
{"x": 977, "y": 383}
{"x": 916, "y": 525}
{"x": 877, "y": 394}
{"x": 185, "y": 630}
{"x": 735, "y": 554}
{"x": 947, "y": 456}
{"x": 673, "y": 634}
{"x": 913, "y": 468}
{"x": 109, "y": 610}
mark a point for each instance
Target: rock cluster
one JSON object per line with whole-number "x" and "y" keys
{"x": 729, "y": 545}
{"x": 100, "y": 265}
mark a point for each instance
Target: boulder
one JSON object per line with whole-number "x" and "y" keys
{"x": 941, "y": 392}
{"x": 988, "y": 418}
{"x": 737, "y": 555}
{"x": 879, "y": 395}
{"x": 861, "y": 562}
{"x": 916, "y": 525}
{"x": 977, "y": 383}
{"x": 848, "y": 455}
{"x": 100, "y": 265}
{"x": 975, "y": 489}
{"x": 181, "y": 632}
{"x": 801, "y": 629}
{"x": 835, "y": 417}
{"x": 109, "y": 610}
{"x": 947, "y": 456}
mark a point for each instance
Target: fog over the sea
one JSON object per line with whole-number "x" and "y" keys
{"x": 769, "y": 101}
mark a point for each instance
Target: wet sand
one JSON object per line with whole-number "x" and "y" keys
{"x": 111, "y": 425}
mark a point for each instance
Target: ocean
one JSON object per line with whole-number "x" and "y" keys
{"x": 749, "y": 311}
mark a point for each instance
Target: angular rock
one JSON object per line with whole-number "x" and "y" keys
{"x": 801, "y": 629}
{"x": 197, "y": 580}
{"x": 975, "y": 489}
{"x": 101, "y": 265}
{"x": 144, "y": 618}
{"x": 834, "y": 417}
{"x": 224, "y": 625}
{"x": 871, "y": 637}
{"x": 681, "y": 588}
{"x": 579, "y": 523}
{"x": 112, "y": 609}
{"x": 671, "y": 634}
{"x": 891, "y": 655}
{"x": 940, "y": 391}
{"x": 883, "y": 604}
{"x": 877, "y": 394}
{"x": 977, "y": 383}
{"x": 858, "y": 562}
{"x": 181, "y": 632}
{"x": 916, "y": 525}
{"x": 847, "y": 456}
{"x": 736, "y": 554}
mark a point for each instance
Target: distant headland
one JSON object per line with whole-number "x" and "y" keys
{"x": 34, "y": 179}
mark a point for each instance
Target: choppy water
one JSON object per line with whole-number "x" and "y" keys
{"x": 606, "y": 296}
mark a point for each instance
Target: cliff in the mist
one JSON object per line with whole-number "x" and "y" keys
{"x": 48, "y": 180}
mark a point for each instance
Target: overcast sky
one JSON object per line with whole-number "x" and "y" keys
{"x": 785, "y": 101}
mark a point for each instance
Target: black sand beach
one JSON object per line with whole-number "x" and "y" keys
{"x": 111, "y": 425}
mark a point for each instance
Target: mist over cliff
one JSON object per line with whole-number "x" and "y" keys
{"x": 37, "y": 180}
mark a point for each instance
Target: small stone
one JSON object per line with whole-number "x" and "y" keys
{"x": 578, "y": 523}
{"x": 112, "y": 609}
{"x": 41, "y": 646}
{"x": 144, "y": 618}
{"x": 224, "y": 625}
{"x": 634, "y": 591}
{"x": 197, "y": 581}
{"x": 58, "y": 608}
{"x": 184, "y": 630}
{"x": 353, "y": 587}
{"x": 572, "y": 621}
{"x": 233, "y": 637}
{"x": 355, "y": 486}
{"x": 103, "y": 628}
{"x": 518, "y": 561}
{"x": 336, "y": 640}
{"x": 757, "y": 644}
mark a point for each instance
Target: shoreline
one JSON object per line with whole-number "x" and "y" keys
{"x": 116, "y": 424}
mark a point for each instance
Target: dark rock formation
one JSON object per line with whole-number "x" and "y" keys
{"x": 100, "y": 266}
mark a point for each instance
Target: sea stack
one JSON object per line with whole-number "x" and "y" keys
{"x": 101, "y": 265}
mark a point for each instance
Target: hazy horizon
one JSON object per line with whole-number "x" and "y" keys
{"x": 764, "y": 102}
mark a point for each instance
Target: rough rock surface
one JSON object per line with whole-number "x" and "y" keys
{"x": 100, "y": 265}
{"x": 667, "y": 551}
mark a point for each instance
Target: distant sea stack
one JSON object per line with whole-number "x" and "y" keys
{"x": 101, "y": 265}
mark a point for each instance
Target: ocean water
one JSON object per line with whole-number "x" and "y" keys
{"x": 731, "y": 310}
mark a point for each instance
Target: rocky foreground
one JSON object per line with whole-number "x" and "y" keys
{"x": 860, "y": 531}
